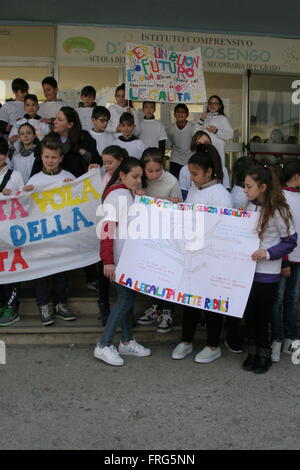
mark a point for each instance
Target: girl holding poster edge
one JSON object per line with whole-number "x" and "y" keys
{"x": 112, "y": 157}
{"x": 207, "y": 174}
{"x": 124, "y": 182}
{"x": 161, "y": 184}
{"x": 277, "y": 239}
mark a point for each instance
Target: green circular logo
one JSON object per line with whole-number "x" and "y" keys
{"x": 78, "y": 45}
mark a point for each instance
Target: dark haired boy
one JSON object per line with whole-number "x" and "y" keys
{"x": 56, "y": 285}
{"x": 13, "y": 110}
{"x": 180, "y": 137}
{"x": 134, "y": 146}
{"x": 100, "y": 119}
{"x": 152, "y": 131}
{"x": 87, "y": 96}
{"x": 52, "y": 105}
{"x": 31, "y": 107}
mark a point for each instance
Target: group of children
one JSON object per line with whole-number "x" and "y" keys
{"x": 133, "y": 156}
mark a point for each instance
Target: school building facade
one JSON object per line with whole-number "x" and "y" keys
{"x": 258, "y": 77}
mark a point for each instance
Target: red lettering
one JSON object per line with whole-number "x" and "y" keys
{"x": 18, "y": 259}
{"x": 16, "y": 206}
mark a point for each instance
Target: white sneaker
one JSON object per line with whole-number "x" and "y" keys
{"x": 287, "y": 346}
{"x": 276, "y": 348}
{"x": 181, "y": 351}
{"x": 151, "y": 315}
{"x": 166, "y": 322}
{"x": 134, "y": 349}
{"x": 108, "y": 354}
{"x": 208, "y": 355}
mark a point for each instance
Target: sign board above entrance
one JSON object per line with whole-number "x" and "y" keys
{"x": 97, "y": 46}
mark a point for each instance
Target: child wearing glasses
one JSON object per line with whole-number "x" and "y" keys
{"x": 100, "y": 120}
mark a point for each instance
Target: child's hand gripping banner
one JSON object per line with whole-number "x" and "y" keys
{"x": 49, "y": 230}
{"x": 154, "y": 73}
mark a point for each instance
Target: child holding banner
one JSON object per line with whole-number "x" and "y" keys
{"x": 160, "y": 184}
{"x": 206, "y": 171}
{"x": 126, "y": 179}
{"x": 10, "y": 181}
{"x": 56, "y": 284}
{"x": 277, "y": 239}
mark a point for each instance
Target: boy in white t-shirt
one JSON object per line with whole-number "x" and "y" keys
{"x": 180, "y": 136}
{"x": 31, "y": 107}
{"x": 86, "y": 106}
{"x": 134, "y": 146}
{"x": 52, "y": 156}
{"x": 52, "y": 105}
{"x": 100, "y": 120}
{"x": 152, "y": 131}
{"x": 13, "y": 110}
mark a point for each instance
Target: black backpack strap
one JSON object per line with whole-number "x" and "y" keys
{"x": 5, "y": 180}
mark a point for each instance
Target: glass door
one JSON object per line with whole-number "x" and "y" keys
{"x": 273, "y": 118}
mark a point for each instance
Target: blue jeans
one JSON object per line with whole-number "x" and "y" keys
{"x": 120, "y": 315}
{"x": 287, "y": 301}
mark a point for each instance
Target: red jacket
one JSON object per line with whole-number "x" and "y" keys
{"x": 108, "y": 231}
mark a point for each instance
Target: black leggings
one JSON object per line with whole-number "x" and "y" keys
{"x": 214, "y": 322}
{"x": 258, "y": 316}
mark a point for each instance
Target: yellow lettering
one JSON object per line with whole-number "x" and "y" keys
{"x": 88, "y": 188}
{"x": 41, "y": 199}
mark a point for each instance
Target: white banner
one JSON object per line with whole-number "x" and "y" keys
{"x": 49, "y": 230}
{"x": 158, "y": 74}
{"x": 214, "y": 272}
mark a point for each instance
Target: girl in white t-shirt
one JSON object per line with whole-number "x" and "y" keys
{"x": 24, "y": 158}
{"x": 206, "y": 172}
{"x": 160, "y": 184}
{"x": 126, "y": 180}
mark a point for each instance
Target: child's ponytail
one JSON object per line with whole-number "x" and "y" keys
{"x": 206, "y": 157}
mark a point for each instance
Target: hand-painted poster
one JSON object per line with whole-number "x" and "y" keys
{"x": 193, "y": 255}
{"x": 154, "y": 73}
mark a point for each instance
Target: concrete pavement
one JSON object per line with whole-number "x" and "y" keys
{"x": 59, "y": 397}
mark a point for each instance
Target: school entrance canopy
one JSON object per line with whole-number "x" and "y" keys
{"x": 231, "y": 16}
